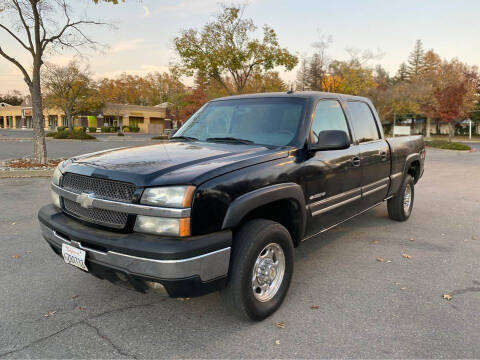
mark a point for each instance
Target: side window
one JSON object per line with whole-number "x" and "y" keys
{"x": 363, "y": 121}
{"x": 328, "y": 116}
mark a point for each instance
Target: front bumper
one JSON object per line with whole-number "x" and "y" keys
{"x": 185, "y": 267}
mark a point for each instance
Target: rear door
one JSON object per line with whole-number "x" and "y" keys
{"x": 333, "y": 178}
{"x": 374, "y": 153}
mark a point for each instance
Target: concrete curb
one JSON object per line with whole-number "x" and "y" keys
{"x": 11, "y": 174}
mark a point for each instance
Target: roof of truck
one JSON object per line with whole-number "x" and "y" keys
{"x": 297, "y": 94}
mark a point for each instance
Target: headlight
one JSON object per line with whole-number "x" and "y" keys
{"x": 162, "y": 226}
{"x": 57, "y": 176}
{"x": 169, "y": 196}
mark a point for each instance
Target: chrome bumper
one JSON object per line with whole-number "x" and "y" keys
{"x": 207, "y": 266}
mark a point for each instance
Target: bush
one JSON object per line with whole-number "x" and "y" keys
{"x": 51, "y": 134}
{"x": 134, "y": 129}
{"x": 75, "y": 135}
{"x": 120, "y": 134}
{"x": 125, "y": 129}
{"x": 79, "y": 129}
{"x": 160, "y": 137}
{"x": 61, "y": 128}
{"x": 92, "y": 129}
{"x": 443, "y": 144}
{"x": 114, "y": 129}
{"x": 105, "y": 129}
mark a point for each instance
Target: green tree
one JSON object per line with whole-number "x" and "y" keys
{"x": 416, "y": 60}
{"x": 71, "y": 89}
{"x": 402, "y": 73}
{"x": 225, "y": 47}
{"x": 301, "y": 83}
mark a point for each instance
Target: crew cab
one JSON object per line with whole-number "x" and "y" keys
{"x": 223, "y": 203}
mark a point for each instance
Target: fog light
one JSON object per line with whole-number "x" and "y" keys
{"x": 157, "y": 287}
{"x": 55, "y": 199}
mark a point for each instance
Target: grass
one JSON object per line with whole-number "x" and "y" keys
{"x": 443, "y": 144}
{"x": 73, "y": 135}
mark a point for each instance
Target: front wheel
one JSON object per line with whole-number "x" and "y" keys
{"x": 400, "y": 206}
{"x": 261, "y": 269}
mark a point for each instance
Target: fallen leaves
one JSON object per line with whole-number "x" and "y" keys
{"x": 15, "y": 256}
{"x": 447, "y": 296}
{"x": 75, "y": 296}
{"x": 379, "y": 259}
{"x": 412, "y": 239}
{"x": 82, "y": 308}
{"x": 406, "y": 256}
{"x": 277, "y": 342}
{"x": 50, "y": 313}
{"x": 314, "y": 307}
{"x": 280, "y": 325}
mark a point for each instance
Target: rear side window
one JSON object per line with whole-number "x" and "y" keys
{"x": 363, "y": 121}
{"x": 328, "y": 116}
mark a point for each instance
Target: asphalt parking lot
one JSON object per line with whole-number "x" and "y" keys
{"x": 15, "y": 144}
{"x": 362, "y": 308}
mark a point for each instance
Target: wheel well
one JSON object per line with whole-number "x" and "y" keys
{"x": 283, "y": 211}
{"x": 414, "y": 170}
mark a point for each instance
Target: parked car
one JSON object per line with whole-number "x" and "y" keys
{"x": 224, "y": 202}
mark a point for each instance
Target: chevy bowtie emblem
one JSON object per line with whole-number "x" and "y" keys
{"x": 85, "y": 200}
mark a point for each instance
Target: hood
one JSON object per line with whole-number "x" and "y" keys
{"x": 170, "y": 163}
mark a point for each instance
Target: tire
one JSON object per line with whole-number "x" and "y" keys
{"x": 243, "y": 294}
{"x": 396, "y": 209}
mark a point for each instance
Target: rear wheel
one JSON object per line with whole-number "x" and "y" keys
{"x": 261, "y": 269}
{"x": 400, "y": 206}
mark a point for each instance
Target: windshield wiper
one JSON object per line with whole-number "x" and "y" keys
{"x": 230, "y": 139}
{"x": 181, "y": 137}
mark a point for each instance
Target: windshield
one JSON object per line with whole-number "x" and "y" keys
{"x": 266, "y": 121}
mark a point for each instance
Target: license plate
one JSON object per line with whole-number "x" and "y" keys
{"x": 74, "y": 256}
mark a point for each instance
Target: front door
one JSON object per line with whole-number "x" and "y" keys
{"x": 333, "y": 178}
{"x": 374, "y": 153}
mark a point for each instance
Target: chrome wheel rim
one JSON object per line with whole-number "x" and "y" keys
{"x": 268, "y": 272}
{"x": 407, "y": 199}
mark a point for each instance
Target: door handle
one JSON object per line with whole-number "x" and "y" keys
{"x": 356, "y": 161}
{"x": 383, "y": 154}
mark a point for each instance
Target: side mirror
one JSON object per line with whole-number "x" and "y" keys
{"x": 331, "y": 140}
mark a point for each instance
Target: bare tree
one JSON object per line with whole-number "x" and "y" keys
{"x": 39, "y": 26}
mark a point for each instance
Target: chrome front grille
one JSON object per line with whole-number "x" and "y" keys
{"x": 102, "y": 189}
{"x": 108, "y": 218}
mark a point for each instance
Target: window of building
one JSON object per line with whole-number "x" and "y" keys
{"x": 328, "y": 116}
{"x": 363, "y": 121}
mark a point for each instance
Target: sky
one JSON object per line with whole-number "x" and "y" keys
{"x": 145, "y": 29}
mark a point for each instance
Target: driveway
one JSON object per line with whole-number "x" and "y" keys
{"x": 362, "y": 308}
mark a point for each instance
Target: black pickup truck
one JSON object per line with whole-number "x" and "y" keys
{"x": 224, "y": 202}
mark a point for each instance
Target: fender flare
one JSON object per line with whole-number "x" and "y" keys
{"x": 245, "y": 203}
{"x": 408, "y": 161}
